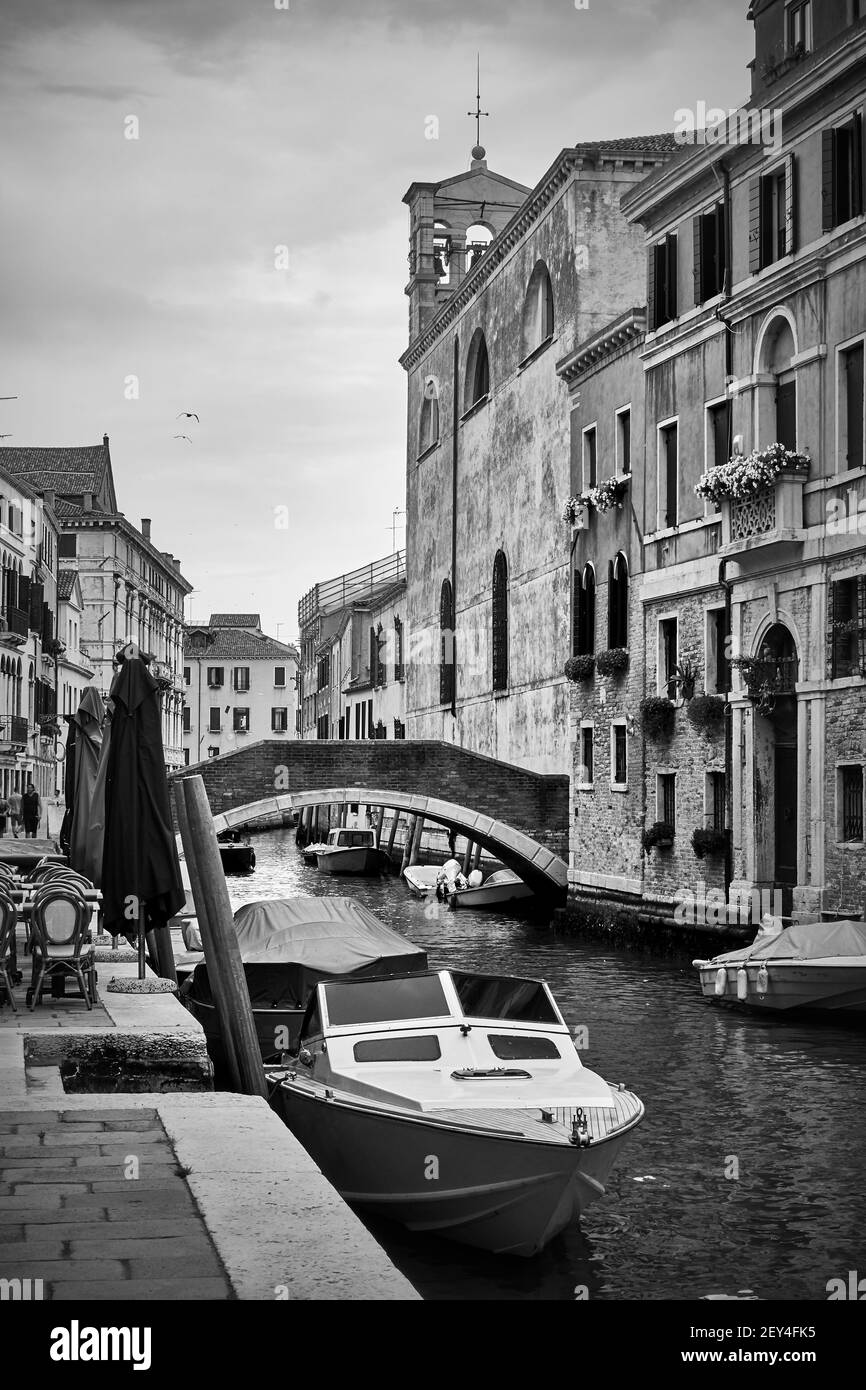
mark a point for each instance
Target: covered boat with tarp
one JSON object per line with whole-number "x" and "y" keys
{"x": 287, "y": 946}
{"x": 812, "y": 965}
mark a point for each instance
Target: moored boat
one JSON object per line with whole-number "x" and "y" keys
{"x": 350, "y": 852}
{"x": 454, "y": 1103}
{"x": 421, "y": 879}
{"x": 236, "y": 852}
{"x": 287, "y": 945}
{"x": 310, "y": 852}
{"x": 500, "y": 887}
{"x": 815, "y": 966}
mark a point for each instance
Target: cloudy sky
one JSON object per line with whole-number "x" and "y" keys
{"x": 263, "y": 124}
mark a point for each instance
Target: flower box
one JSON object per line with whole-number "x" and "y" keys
{"x": 612, "y": 662}
{"x": 657, "y": 716}
{"x": 658, "y": 836}
{"x": 580, "y": 668}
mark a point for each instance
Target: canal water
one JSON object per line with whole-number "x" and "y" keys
{"x": 748, "y": 1171}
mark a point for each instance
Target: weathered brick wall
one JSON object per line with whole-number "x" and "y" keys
{"x": 531, "y": 802}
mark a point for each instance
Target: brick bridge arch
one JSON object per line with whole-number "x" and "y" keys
{"x": 520, "y": 816}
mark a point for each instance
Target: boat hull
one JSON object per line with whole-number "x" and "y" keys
{"x": 237, "y": 859}
{"x": 496, "y": 1191}
{"x": 273, "y": 1027}
{"x": 355, "y": 860}
{"x": 493, "y": 896}
{"x": 795, "y": 985}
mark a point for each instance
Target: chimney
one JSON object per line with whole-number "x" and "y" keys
{"x": 145, "y": 527}
{"x": 105, "y": 440}
{"x": 176, "y": 564}
{"x": 48, "y": 497}
{"x": 88, "y": 501}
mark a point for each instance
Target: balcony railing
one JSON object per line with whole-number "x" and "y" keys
{"x": 766, "y": 678}
{"x": 18, "y": 620}
{"x": 770, "y": 517}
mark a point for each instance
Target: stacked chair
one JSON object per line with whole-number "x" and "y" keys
{"x": 60, "y": 940}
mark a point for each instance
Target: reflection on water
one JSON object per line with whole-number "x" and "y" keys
{"x": 782, "y": 1099}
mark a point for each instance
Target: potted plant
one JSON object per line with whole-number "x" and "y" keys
{"x": 707, "y": 712}
{"x": 579, "y": 668}
{"x": 612, "y": 662}
{"x": 685, "y": 677}
{"x": 657, "y": 716}
{"x": 660, "y": 834}
{"x": 707, "y": 843}
{"x": 607, "y": 494}
{"x": 574, "y": 510}
{"x": 746, "y": 475}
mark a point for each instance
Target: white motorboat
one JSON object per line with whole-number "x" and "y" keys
{"x": 421, "y": 879}
{"x": 500, "y": 887}
{"x": 350, "y": 852}
{"x": 310, "y": 852}
{"x": 814, "y": 965}
{"x": 454, "y": 1103}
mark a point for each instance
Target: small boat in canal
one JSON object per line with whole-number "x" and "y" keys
{"x": 236, "y": 852}
{"x": 815, "y": 966}
{"x": 454, "y": 1103}
{"x": 287, "y": 945}
{"x": 350, "y": 852}
{"x": 500, "y": 887}
{"x": 421, "y": 879}
{"x": 310, "y": 852}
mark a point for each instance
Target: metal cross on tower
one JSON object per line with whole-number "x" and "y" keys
{"x": 478, "y": 113}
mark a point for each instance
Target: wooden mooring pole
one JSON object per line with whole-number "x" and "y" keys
{"x": 392, "y": 834}
{"x": 222, "y": 952}
{"x": 467, "y": 856}
{"x": 416, "y": 840}
{"x": 411, "y": 822}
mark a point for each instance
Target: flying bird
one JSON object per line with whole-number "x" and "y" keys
{"x": 183, "y": 436}
{"x": 189, "y": 415}
{"x": 5, "y": 436}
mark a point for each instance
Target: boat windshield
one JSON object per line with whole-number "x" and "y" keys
{"x": 494, "y": 996}
{"x": 385, "y": 1001}
{"x": 352, "y": 839}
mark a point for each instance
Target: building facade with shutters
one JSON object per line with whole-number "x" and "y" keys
{"x": 746, "y": 681}
{"x": 240, "y": 686}
{"x": 505, "y": 282}
{"x": 29, "y": 534}
{"x": 130, "y": 590}
{"x": 354, "y": 653}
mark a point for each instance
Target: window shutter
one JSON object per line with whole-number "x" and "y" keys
{"x": 861, "y": 620}
{"x": 857, "y": 162}
{"x": 36, "y": 599}
{"x": 697, "y": 238}
{"x": 828, "y": 143}
{"x": 790, "y": 205}
{"x": 47, "y": 624}
{"x": 754, "y": 226}
{"x": 671, "y": 252}
{"x": 576, "y": 594}
{"x": 24, "y": 594}
{"x": 651, "y": 288}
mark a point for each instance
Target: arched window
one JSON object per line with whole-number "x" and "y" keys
{"x": 537, "y": 324}
{"x": 617, "y": 603}
{"x": 583, "y": 613}
{"x": 428, "y": 430}
{"x": 478, "y": 238}
{"x": 500, "y": 622}
{"x": 477, "y": 380}
{"x": 446, "y": 631}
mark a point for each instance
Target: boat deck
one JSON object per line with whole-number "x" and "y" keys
{"x": 602, "y": 1121}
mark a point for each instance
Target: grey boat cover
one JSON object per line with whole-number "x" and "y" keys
{"x": 289, "y": 944}
{"x": 805, "y": 941}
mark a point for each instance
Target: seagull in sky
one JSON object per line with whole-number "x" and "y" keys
{"x": 183, "y": 436}
{"x": 188, "y": 415}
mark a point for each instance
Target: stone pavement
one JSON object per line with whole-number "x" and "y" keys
{"x": 95, "y": 1205}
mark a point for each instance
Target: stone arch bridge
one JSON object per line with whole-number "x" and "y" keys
{"x": 521, "y": 817}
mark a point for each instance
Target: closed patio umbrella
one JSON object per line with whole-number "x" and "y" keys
{"x": 89, "y": 719}
{"x": 141, "y": 882}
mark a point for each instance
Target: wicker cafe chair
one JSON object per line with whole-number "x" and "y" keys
{"x": 60, "y": 941}
{"x": 8, "y": 923}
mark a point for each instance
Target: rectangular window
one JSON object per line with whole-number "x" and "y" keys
{"x": 666, "y": 798}
{"x": 241, "y": 678}
{"x": 590, "y": 460}
{"x": 718, "y": 433}
{"x": 623, "y": 441}
{"x": 214, "y": 721}
{"x": 215, "y": 677}
{"x": 850, "y": 803}
{"x": 668, "y": 658}
{"x": 241, "y": 721}
{"x": 67, "y": 546}
{"x": 399, "y": 669}
{"x": 280, "y": 720}
{"x": 668, "y": 475}
{"x": 358, "y": 709}
{"x": 186, "y": 757}
{"x": 619, "y": 755}
{"x": 187, "y": 719}
{"x": 187, "y": 675}
{"x": 662, "y": 286}
{"x": 279, "y": 677}
{"x": 370, "y": 730}
{"x": 716, "y": 652}
{"x": 710, "y": 253}
{"x": 715, "y": 801}
{"x": 851, "y": 414}
{"x": 771, "y": 216}
{"x": 586, "y": 772}
{"x": 800, "y": 28}
{"x": 847, "y": 616}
